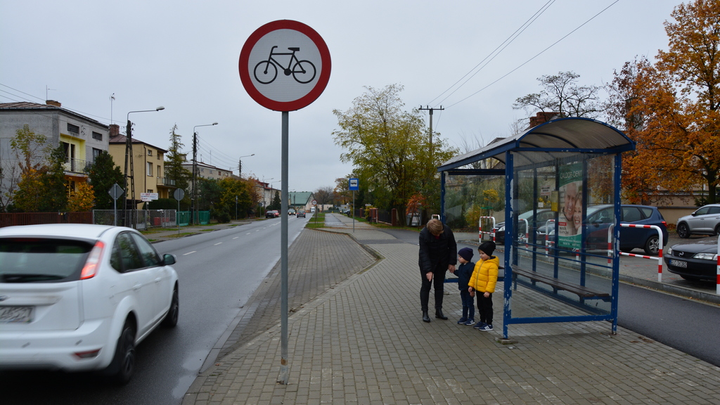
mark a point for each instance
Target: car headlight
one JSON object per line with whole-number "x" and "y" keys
{"x": 669, "y": 251}
{"x": 706, "y": 256}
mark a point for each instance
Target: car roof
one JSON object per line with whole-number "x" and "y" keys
{"x": 85, "y": 231}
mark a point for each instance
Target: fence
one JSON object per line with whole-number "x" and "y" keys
{"x": 144, "y": 219}
{"x": 33, "y": 218}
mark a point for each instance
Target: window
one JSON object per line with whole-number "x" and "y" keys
{"x": 96, "y": 153}
{"x": 631, "y": 214}
{"x": 158, "y": 172}
{"x": 149, "y": 152}
{"x": 73, "y": 129}
{"x": 97, "y": 136}
{"x": 149, "y": 169}
{"x": 125, "y": 256}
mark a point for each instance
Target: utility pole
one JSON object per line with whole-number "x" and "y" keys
{"x": 194, "y": 204}
{"x": 131, "y": 177}
{"x": 431, "y": 109}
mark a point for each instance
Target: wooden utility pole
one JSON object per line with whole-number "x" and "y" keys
{"x": 431, "y": 109}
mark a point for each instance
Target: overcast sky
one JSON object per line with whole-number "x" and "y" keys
{"x": 183, "y": 55}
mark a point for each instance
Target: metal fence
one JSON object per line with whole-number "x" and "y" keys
{"x": 144, "y": 219}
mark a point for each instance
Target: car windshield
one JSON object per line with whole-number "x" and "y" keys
{"x": 40, "y": 260}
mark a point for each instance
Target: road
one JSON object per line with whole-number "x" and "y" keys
{"x": 218, "y": 273}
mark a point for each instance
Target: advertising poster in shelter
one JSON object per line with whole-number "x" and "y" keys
{"x": 570, "y": 218}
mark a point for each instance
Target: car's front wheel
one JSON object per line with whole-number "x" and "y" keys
{"x": 652, "y": 246}
{"x": 683, "y": 231}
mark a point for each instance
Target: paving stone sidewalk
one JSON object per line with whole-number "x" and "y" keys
{"x": 363, "y": 342}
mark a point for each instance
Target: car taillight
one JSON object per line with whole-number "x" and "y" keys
{"x": 664, "y": 223}
{"x": 93, "y": 261}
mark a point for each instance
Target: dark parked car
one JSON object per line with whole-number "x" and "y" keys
{"x": 705, "y": 220}
{"x": 600, "y": 217}
{"x": 301, "y": 214}
{"x": 695, "y": 261}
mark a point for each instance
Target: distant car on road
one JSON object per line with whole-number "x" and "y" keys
{"x": 705, "y": 221}
{"x": 301, "y": 214}
{"x": 78, "y": 297}
{"x": 291, "y": 211}
{"x": 272, "y": 214}
{"x": 695, "y": 261}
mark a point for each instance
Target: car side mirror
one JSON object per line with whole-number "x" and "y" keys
{"x": 168, "y": 259}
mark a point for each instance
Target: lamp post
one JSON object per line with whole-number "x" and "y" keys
{"x": 193, "y": 201}
{"x": 240, "y": 164}
{"x": 129, "y": 164}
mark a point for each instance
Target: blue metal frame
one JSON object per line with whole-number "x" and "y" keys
{"x": 507, "y": 150}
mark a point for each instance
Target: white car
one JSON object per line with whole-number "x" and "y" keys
{"x": 79, "y": 297}
{"x": 705, "y": 220}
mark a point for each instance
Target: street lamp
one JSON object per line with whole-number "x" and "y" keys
{"x": 240, "y": 164}
{"x": 193, "y": 202}
{"x": 129, "y": 163}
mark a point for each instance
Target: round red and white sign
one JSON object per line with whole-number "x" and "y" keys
{"x": 284, "y": 65}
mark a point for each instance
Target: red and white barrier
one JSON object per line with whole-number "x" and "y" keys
{"x": 548, "y": 242}
{"x": 481, "y": 232}
{"x": 527, "y": 232}
{"x": 660, "y": 248}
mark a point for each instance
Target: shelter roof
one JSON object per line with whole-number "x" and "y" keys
{"x": 550, "y": 140}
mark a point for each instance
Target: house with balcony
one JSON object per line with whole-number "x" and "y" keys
{"x": 81, "y": 137}
{"x": 148, "y": 164}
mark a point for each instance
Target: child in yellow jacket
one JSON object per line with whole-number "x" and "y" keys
{"x": 483, "y": 280}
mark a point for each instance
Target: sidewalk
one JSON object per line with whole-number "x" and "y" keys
{"x": 364, "y": 342}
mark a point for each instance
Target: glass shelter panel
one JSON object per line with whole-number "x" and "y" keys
{"x": 474, "y": 203}
{"x": 562, "y": 215}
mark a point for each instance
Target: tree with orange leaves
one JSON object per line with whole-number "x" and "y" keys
{"x": 671, "y": 108}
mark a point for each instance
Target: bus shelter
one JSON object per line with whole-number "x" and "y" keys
{"x": 551, "y": 198}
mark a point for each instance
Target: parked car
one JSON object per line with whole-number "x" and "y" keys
{"x": 78, "y": 297}
{"x": 695, "y": 261}
{"x": 272, "y": 214}
{"x": 301, "y": 214}
{"x": 705, "y": 220}
{"x": 542, "y": 216}
{"x": 600, "y": 217}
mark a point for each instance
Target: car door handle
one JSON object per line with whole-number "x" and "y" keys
{"x": 157, "y": 280}
{"x": 137, "y": 287}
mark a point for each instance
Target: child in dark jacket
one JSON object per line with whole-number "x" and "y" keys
{"x": 463, "y": 273}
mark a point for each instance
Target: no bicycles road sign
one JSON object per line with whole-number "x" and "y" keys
{"x": 284, "y": 65}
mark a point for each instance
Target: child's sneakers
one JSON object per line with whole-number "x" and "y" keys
{"x": 485, "y": 328}
{"x": 462, "y": 321}
{"x": 469, "y": 322}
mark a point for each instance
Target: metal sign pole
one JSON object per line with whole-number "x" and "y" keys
{"x": 284, "y": 367}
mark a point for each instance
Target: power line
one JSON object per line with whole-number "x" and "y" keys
{"x": 495, "y": 51}
{"x": 536, "y": 55}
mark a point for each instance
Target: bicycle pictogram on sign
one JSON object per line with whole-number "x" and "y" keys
{"x": 303, "y": 71}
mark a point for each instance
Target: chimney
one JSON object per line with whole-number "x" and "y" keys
{"x": 53, "y": 103}
{"x": 541, "y": 118}
{"x": 114, "y": 130}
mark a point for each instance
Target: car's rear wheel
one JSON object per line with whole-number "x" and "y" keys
{"x": 652, "y": 246}
{"x": 171, "y": 319}
{"x": 683, "y": 231}
{"x": 123, "y": 365}
{"x": 717, "y": 229}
